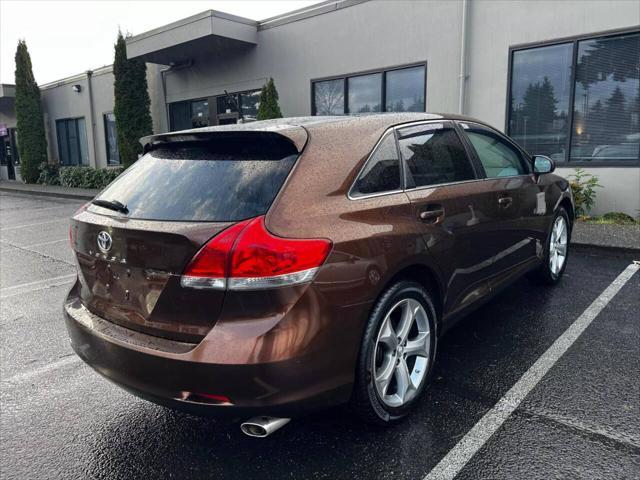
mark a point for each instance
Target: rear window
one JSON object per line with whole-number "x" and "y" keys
{"x": 229, "y": 179}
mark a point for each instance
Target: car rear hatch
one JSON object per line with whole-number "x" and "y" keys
{"x": 132, "y": 248}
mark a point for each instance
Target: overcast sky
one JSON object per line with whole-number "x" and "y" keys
{"x": 69, "y": 37}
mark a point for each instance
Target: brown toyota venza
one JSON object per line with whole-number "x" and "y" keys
{"x": 273, "y": 268}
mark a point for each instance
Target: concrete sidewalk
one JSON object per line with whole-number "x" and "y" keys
{"x": 47, "y": 190}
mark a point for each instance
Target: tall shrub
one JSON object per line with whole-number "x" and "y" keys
{"x": 131, "y": 108}
{"x": 32, "y": 142}
{"x": 269, "y": 107}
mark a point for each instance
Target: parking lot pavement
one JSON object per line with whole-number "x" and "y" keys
{"x": 58, "y": 419}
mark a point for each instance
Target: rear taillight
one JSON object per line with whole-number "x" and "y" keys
{"x": 247, "y": 257}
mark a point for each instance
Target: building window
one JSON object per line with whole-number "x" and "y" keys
{"x": 607, "y": 100}
{"x": 227, "y": 106}
{"x": 396, "y": 90}
{"x": 328, "y": 97}
{"x": 189, "y": 114}
{"x": 365, "y": 93}
{"x": 111, "y": 139}
{"x": 579, "y": 100}
{"x": 405, "y": 90}
{"x": 72, "y": 141}
{"x": 540, "y": 91}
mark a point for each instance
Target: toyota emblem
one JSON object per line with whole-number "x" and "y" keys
{"x": 104, "y": 242}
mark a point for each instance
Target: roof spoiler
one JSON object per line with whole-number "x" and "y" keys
{"x": 297, "y": 135}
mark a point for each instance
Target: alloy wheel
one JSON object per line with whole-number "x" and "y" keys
{"x": 558, "y": 245}
{"x": 402, "y": 353}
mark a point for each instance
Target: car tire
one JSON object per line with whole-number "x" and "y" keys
{"x": 550, "y": 273}
{"x": 414, "y": 354}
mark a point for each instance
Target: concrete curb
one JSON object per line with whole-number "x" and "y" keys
{"x": 607, "y": 249}
{"x": 46, "y": 193}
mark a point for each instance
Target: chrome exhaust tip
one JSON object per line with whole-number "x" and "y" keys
{"x": 262, "y": 426}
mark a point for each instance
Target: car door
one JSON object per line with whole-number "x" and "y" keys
{"x": 448, "y": 199}
{"x": 513, "y": 202}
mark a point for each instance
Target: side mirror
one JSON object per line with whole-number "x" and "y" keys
{"x": 542, "y": 165}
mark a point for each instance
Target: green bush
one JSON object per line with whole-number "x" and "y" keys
{"x": 619, "y": 218}
{"x": 87, "y": 177}
{"x": 49, "y": 174}
{"x": 583, "y": 187}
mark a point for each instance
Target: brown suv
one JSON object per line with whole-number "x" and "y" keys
{"x": 276, "y": 267}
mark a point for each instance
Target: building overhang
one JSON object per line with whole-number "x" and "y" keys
{"x": 200, "y": 35}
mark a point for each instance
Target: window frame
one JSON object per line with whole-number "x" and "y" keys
{"x": 66, "y": 121}
{"x": 383, "y": 94}
{"x": 574, "y": 40}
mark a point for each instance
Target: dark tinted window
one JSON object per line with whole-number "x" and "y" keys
{"x": 606, "y": 125}
{"x": 540, "y": 98}
{"x": 498, "y": 157}
{"x": 434, "y": 154}
{"x": 72, "y": 141}
{"x": 189, "y": 114}
{"x": 228, "y": 179}
{"x": 382, "y": 171}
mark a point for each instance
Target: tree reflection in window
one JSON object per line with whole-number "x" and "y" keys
{"x": 329, "y": 97}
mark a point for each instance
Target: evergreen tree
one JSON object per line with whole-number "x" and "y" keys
{"x": 131, "y": 108}
{"x": 269, "y": 107}
{"x": 32, "y": 142}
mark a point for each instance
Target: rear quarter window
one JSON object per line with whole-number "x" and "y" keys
{"x": 222, "y": 180}
{"x": 381, "y": 173}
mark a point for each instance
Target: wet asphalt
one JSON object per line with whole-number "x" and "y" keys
{"x": 58, "y": 419}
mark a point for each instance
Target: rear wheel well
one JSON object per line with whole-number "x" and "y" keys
{"x": 427, "y": 278}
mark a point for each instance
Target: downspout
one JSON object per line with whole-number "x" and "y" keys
{"x": 463, "y": 57}
{"x": 92, "y": 119}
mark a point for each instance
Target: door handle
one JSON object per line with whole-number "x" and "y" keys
{"x": 505, "y": 202}
{"x": 434, "y": 216}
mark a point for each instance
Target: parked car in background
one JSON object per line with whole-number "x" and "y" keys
{"x": 279, "y": 267}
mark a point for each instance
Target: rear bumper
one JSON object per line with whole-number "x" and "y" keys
{"x": 172, "y": 373}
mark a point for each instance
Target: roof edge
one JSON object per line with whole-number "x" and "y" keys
{"x": 307, "y": 12}
{"x": 188, "y": 20}
{"x": 78, "y": 76}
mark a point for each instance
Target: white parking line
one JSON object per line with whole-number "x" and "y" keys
{"x": 465, "y": 449}
{"x": 37, "y": 285}
{"x": 42, "y": 244}
{"x": 21, "y": 377}
{"x": 15, "y": 227}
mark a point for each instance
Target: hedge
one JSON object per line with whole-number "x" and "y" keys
{"x": 78, "y": 176}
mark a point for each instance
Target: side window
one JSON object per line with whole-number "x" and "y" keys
{"x": 434, "y": 154}
{"x": 382, "y": 171}
{"x": 499, "y": 158}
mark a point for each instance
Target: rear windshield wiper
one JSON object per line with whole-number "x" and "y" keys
{"x": 111, "y": 205}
